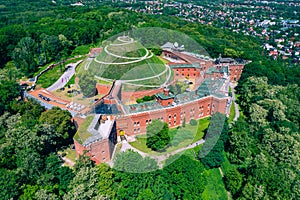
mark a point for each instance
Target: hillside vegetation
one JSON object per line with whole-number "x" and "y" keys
{"x": 263, "y": 146}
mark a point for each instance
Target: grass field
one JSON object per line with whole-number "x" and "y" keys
{"x": 51, "y": 76}
{"x": 215, "y": 188}
{"x": 82, "y": 133}
{"x": 202, "y": 125}
{"x": 42, "y": 68}
{"x": 142, "y": 69}
{"x": 163, "y": 60}
{"x": 71, "y": 81}
{"x": 180, "y": 137}
{"x": 70, "y": 154}
{"x": 232, "y": 113}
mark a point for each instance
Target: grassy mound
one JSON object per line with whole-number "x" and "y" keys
{"x": 107, "y": 63}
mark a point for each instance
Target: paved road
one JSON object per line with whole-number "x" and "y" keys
{"x": 63, "y": 80}
{"x": 46, "y": 105}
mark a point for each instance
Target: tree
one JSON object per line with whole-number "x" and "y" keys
{"x": 30, "y": 111}
{"x": 233, "y": 180}
{"x": 157, "y": 135}
{"x": 83, "y": 161}
{"x": 51, "y": 47}
{"x": 214, "y": 158}
{"x": 156, "y": 50}
{"x": 133, "y": 162}
{"x": 146, "y": 194}
{"x": 178, "y": 88}
{"x": 231, "y": 53}
{"x": 9, "y": 91}
{"x": 87, "y": 83}
{"x": 30, "y": 165}
{"x": 193, "y": 122}
{"x": 185, "y": 178}
{"x": 9, "y": 184}
{"x": 60, "y": 120}
{"x": 84, "y": 185}
{"x": 105, "y": 180}
{"x": 44, "y": 194}
{"x": 65, "y": 175}
{"x": 211, "y": 153}
{"x": 24, "y": 56}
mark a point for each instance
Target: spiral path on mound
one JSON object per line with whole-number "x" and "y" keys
{"x": 133, "y": 59}
{"x": 125, "y": 40}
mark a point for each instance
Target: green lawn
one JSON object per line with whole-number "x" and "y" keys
{"x": 51, "y": 76}
{"x": 82, "y": 133}
{"x": 180, "y": 137}
{"x": 42, "y": 68}
{"x": 215, "y": 188}
{"x": 70, "y": 154}
{"x": 117, "y": 150}
{"x": 140, "y": 144}
{"x": 232, "y": 113}
{"x": 202, "y": 125}
{"x": 102, "y": 82}
{"x": 163, "y": 60}
{"x": 71, "y": 81}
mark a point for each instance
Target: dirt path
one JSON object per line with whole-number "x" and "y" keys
{"x": 159, "y": 158}
{"x": 228, "y": 193}
{"x": 68, "y": 161}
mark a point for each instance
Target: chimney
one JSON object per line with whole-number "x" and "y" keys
{"x": 166, "y": 91}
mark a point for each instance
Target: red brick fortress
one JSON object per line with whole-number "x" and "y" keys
{"x": 118, "y": 114}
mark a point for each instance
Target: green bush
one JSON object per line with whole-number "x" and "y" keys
{"x": 193, "y": 122}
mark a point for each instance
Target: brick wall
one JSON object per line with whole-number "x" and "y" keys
{"x": 165, "y": 102}
{"x": 186, "y": 72}
{"x": 136, "y": 124}
{"x": 235, "y": 71}
{"x": 140, "y": 94}
{"x": 103, "y": 89}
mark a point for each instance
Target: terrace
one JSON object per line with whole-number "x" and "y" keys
{"x": 207, "y": 88}
{"x": 94, "y": 128}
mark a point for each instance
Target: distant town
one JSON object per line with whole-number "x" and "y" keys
{"x": 275, "y": 23}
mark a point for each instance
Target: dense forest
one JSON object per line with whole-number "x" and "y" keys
{"x": 263, "y": 145}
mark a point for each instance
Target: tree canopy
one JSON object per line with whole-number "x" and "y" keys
{"x": 157, "y": 135}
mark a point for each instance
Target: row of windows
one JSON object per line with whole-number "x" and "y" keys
{"x": 136, "y": 123}
{"x": 182, "y": 114}
{"x": 174, "y": 123}
{"x": 184, "y": 69}
{"x": 183, "y": 75}
{"x": 95, "y": 156}
{"x": 136, "y": 130}
{"x": 170, "y": 116}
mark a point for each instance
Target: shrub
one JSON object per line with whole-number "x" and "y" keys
{"x": 193, "y": 122}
